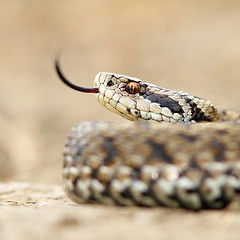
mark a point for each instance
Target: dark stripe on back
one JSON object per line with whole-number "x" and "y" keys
{"x": 197, "y": 113}
{"x": 165, "y": 101}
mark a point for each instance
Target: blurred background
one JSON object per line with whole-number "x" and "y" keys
{"x": 186, "y": 45}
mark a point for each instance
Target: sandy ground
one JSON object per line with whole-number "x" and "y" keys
{"x": 38, "y": 211}
{"x": 185, "y": 45}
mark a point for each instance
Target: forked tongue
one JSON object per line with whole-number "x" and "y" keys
{"x": 71, "y": 85}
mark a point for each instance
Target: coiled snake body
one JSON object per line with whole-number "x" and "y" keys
{"x": 194, "y": 163}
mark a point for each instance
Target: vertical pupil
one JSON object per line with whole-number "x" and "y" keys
{"x": 132, "y": 88}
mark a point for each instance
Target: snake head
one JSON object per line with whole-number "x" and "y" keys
{"x": 121, "y": 94}
{"x": 137, "y": 100}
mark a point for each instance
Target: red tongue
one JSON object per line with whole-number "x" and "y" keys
{"x": 71, "y": 85}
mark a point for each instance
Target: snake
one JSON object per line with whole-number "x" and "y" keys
{"x": 178, "y": 150}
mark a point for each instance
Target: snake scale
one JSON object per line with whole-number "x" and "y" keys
{"x": 180, "y": 151}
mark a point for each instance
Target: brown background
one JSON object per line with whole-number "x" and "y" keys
{"x": 192, "y": 46}
{"x": 186, "y": 45}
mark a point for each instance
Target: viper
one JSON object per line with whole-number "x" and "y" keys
{"x": 179, "y": 150}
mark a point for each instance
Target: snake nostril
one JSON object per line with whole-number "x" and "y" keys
{"x": 110, "y": 83}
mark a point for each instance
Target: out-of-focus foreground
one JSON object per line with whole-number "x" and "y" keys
{"x": 185, "y": 45}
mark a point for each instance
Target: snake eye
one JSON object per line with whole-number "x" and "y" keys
{"x": 132, "y": 88}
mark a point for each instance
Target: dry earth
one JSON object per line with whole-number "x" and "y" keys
{"x": 185, "y": 45}
{"x": 38, "y": 211}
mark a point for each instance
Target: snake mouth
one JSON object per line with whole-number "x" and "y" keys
{"x": 71, "y": 85}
